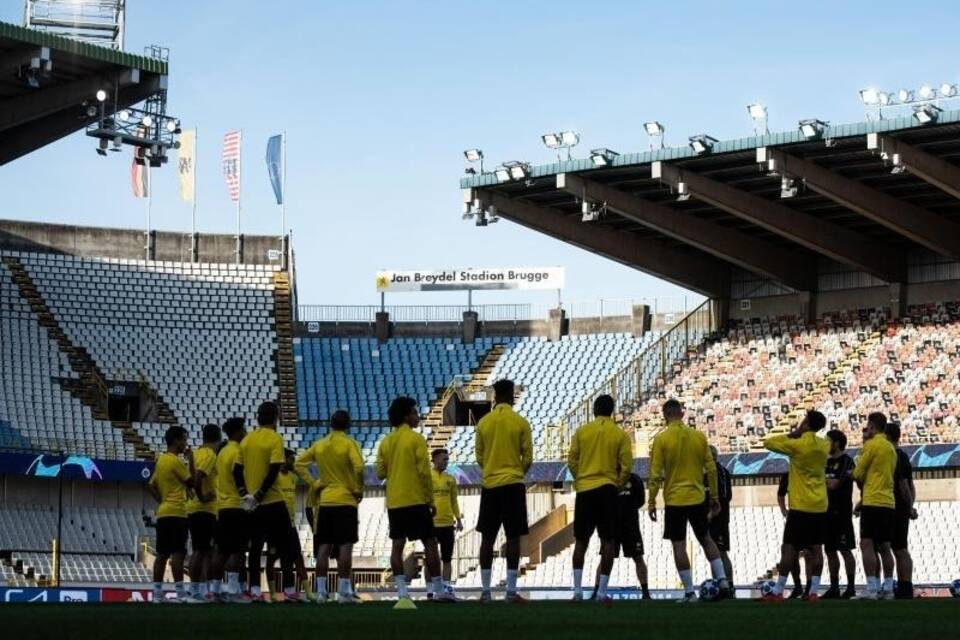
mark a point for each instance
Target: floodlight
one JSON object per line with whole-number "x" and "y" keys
{"x": 757, "y": 111}
{"x": 124, "y": 115}
{"x": 683, "y": 192}
{"x": 653, "y": 128}
{"x": 869, "y": 97}
{"x": 173, "y": 126}
{"x": 569, "y": 138}
{"x": 91, "y": 111}
{"x": 788, "y": 187}
{"x": 926, "y": 113}
{"x": 102, "y": 147}
{"x": 812, "y": 128}
{"x": 502, "y": 174}
{"x": 101, "y": 95}
{"x": 702, "y": 143}
{"x": 927, "y": 92}
{"x": 905, "y": 95}
{"x": 473, "y": 155}
{"x": 518, "y": 172}
{"x": 551, "y": 140}
{"x": 147, "y": 121}
{"x": 896, "y": 164}
{"x": 948, "y": 90}
{"x": 603, "y": 157}
{"x": 492, "y": 216}
{"x": 884, "y": 98}
{"x": 467, "y": 211}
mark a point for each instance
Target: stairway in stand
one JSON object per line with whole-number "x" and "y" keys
{"x": 283, "y": 321}
{"x": 91, "y": 386}
{"x": 439, "y": 432}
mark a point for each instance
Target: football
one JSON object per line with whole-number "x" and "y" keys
{"x": 767, "y": 587}
{"x": 709, "y": 590}
{"x": 955, "y": 588}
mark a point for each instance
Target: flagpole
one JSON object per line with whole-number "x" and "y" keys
{"x": 283, "y": 205}
{"x": 149, "y": 207}
{"x": 195, "y": 249}
{"x": 239, "y": 187}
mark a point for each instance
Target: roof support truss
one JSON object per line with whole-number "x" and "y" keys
{"x": 927, "y": 167}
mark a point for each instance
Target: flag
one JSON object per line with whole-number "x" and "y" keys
{"x": 231, "y": 164}
{"x": 275, "y": 165}
{"x": 139, "y": 174}
{"x": 186, "y": 163}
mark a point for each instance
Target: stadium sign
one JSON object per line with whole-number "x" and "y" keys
{"x": 471, "y": 279}
{"x": 35, "y": 594}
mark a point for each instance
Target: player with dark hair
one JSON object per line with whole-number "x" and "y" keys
{"x": 678, "y": 461}
{"x": 168, "y": 485}
{"x": 874, "y": 473}
{"x": 404, "y": 462}
{"x": 600, "y": 460}
{"x": 905, "y": 496}
{"x": 806, "y": 519}
{"x": 232, "y": 530}
{"x": 720, "y": 520}
{"x": 202, "y": 512}
{"x": 840, "y": 540}
{"x": 504, "y": 450}
{"x": 446, "y": 520}
{"x": 339, "y": 486}
{"x": 255, "y": 472}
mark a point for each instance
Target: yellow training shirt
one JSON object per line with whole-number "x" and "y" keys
{"x": 259, "y": 450}
{"x": 807, "y": 480}
{"x": 504, "y": 447}
{"x": 403, "y": 461}
{"x": 679, "y": 457}
{"x": 445, "y": 499}
{"x": 287, "y": 484}
{"x": 169, "y": 476}
{"x": 205, "y": 462}
{"x": 874, "y": 470}
{"x": 340, "y": 468}
{"x": 227, "y": 495}
{"x": 600, "y": 453}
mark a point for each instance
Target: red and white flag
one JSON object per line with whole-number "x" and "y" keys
{"x": 139, "y": 173}
{"x": 231, "y": 163}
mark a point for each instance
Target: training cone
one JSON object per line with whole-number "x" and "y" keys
{"x": 404, "y": 603}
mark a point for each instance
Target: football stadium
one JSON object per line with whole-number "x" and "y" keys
{"x": 772, "y": 455}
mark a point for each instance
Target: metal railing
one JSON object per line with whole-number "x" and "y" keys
{"x": 598, "y": 308}
{"x": 637, "y": 380}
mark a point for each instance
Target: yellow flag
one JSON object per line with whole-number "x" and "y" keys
{"x": 187, "y": 163}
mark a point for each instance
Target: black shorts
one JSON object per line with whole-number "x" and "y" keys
{"x": 504, "y": 506}
{"x": 804, "y": 529}
{"x": 233, "y": 531}
{"x": 876, "y": 524}
{"x": 839, "y": 535}
{"x": 293, "y": 544}
{"x": 596, "y": 510}
{"x": 445, "y": 537}
{"x": 900, "y": 538}
{"x": 171, "y": 535}
{"x": 720, "y": 528}
{"x": 675, "y": 521}
{"x": 629, "y": 540}
{"x": 410, "y": 523}
{"x": 202, "y": 525}
{"x": 337, "y": 525}
{"x": 271, "y": 525}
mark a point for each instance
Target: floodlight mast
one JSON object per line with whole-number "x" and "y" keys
{"x": 99, "y": 22}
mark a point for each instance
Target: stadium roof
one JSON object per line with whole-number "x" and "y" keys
{"x": 866, "y": 195}
{"x": 47, "y": 78}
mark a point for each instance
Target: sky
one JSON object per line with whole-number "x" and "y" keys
{"x": 379, "y": 100}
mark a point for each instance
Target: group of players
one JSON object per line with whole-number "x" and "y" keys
{"x": 232, "y": 498}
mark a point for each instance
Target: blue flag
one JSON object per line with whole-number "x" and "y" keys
{"x": 275, "y": 165}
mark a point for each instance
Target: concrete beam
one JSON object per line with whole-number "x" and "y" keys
{"x": 691, "y": 270}
{"x": 927, "y": 167}
{"x": 910, "y": 221}
{"x": 825, "y": 238}
{"x": 752, "y": 254}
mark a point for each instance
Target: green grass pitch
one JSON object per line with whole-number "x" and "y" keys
{"x": 931, "y": 618}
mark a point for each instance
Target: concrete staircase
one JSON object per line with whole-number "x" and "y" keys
{"x": 286, "y": 372}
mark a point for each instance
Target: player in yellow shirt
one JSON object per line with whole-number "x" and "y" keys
{"x": 168, "y": 485}
{"x": 446, "y": 520}
{"x": 202, "y": 512}
{"x": 874, "y": 473}
{"x": 256, "y": 470}
{"x": 287, "y": 483}
{"x": 600, "y": 460}
{"x": 679, "y": 458}
{"x": 504, "y": 450}
{"x": 403, "y": 461}
{"x": 339, "y": 488}
{"x": 807, "y": 485}
{"x": 233, "y": 530}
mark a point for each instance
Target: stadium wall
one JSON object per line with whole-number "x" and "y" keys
{"x": 106, "y": 242}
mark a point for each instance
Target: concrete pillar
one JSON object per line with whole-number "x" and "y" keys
{"x": 557, "y": 325}
{"x": 720, "y": 313}
{"x": 382, "y": 330}
{"x": 152, "y": 245}
{"x": 470, "y": 327}
{"x": 898, "y": 300}
{"x": 641, "y": 319}
{"x": 807, "y": 305}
